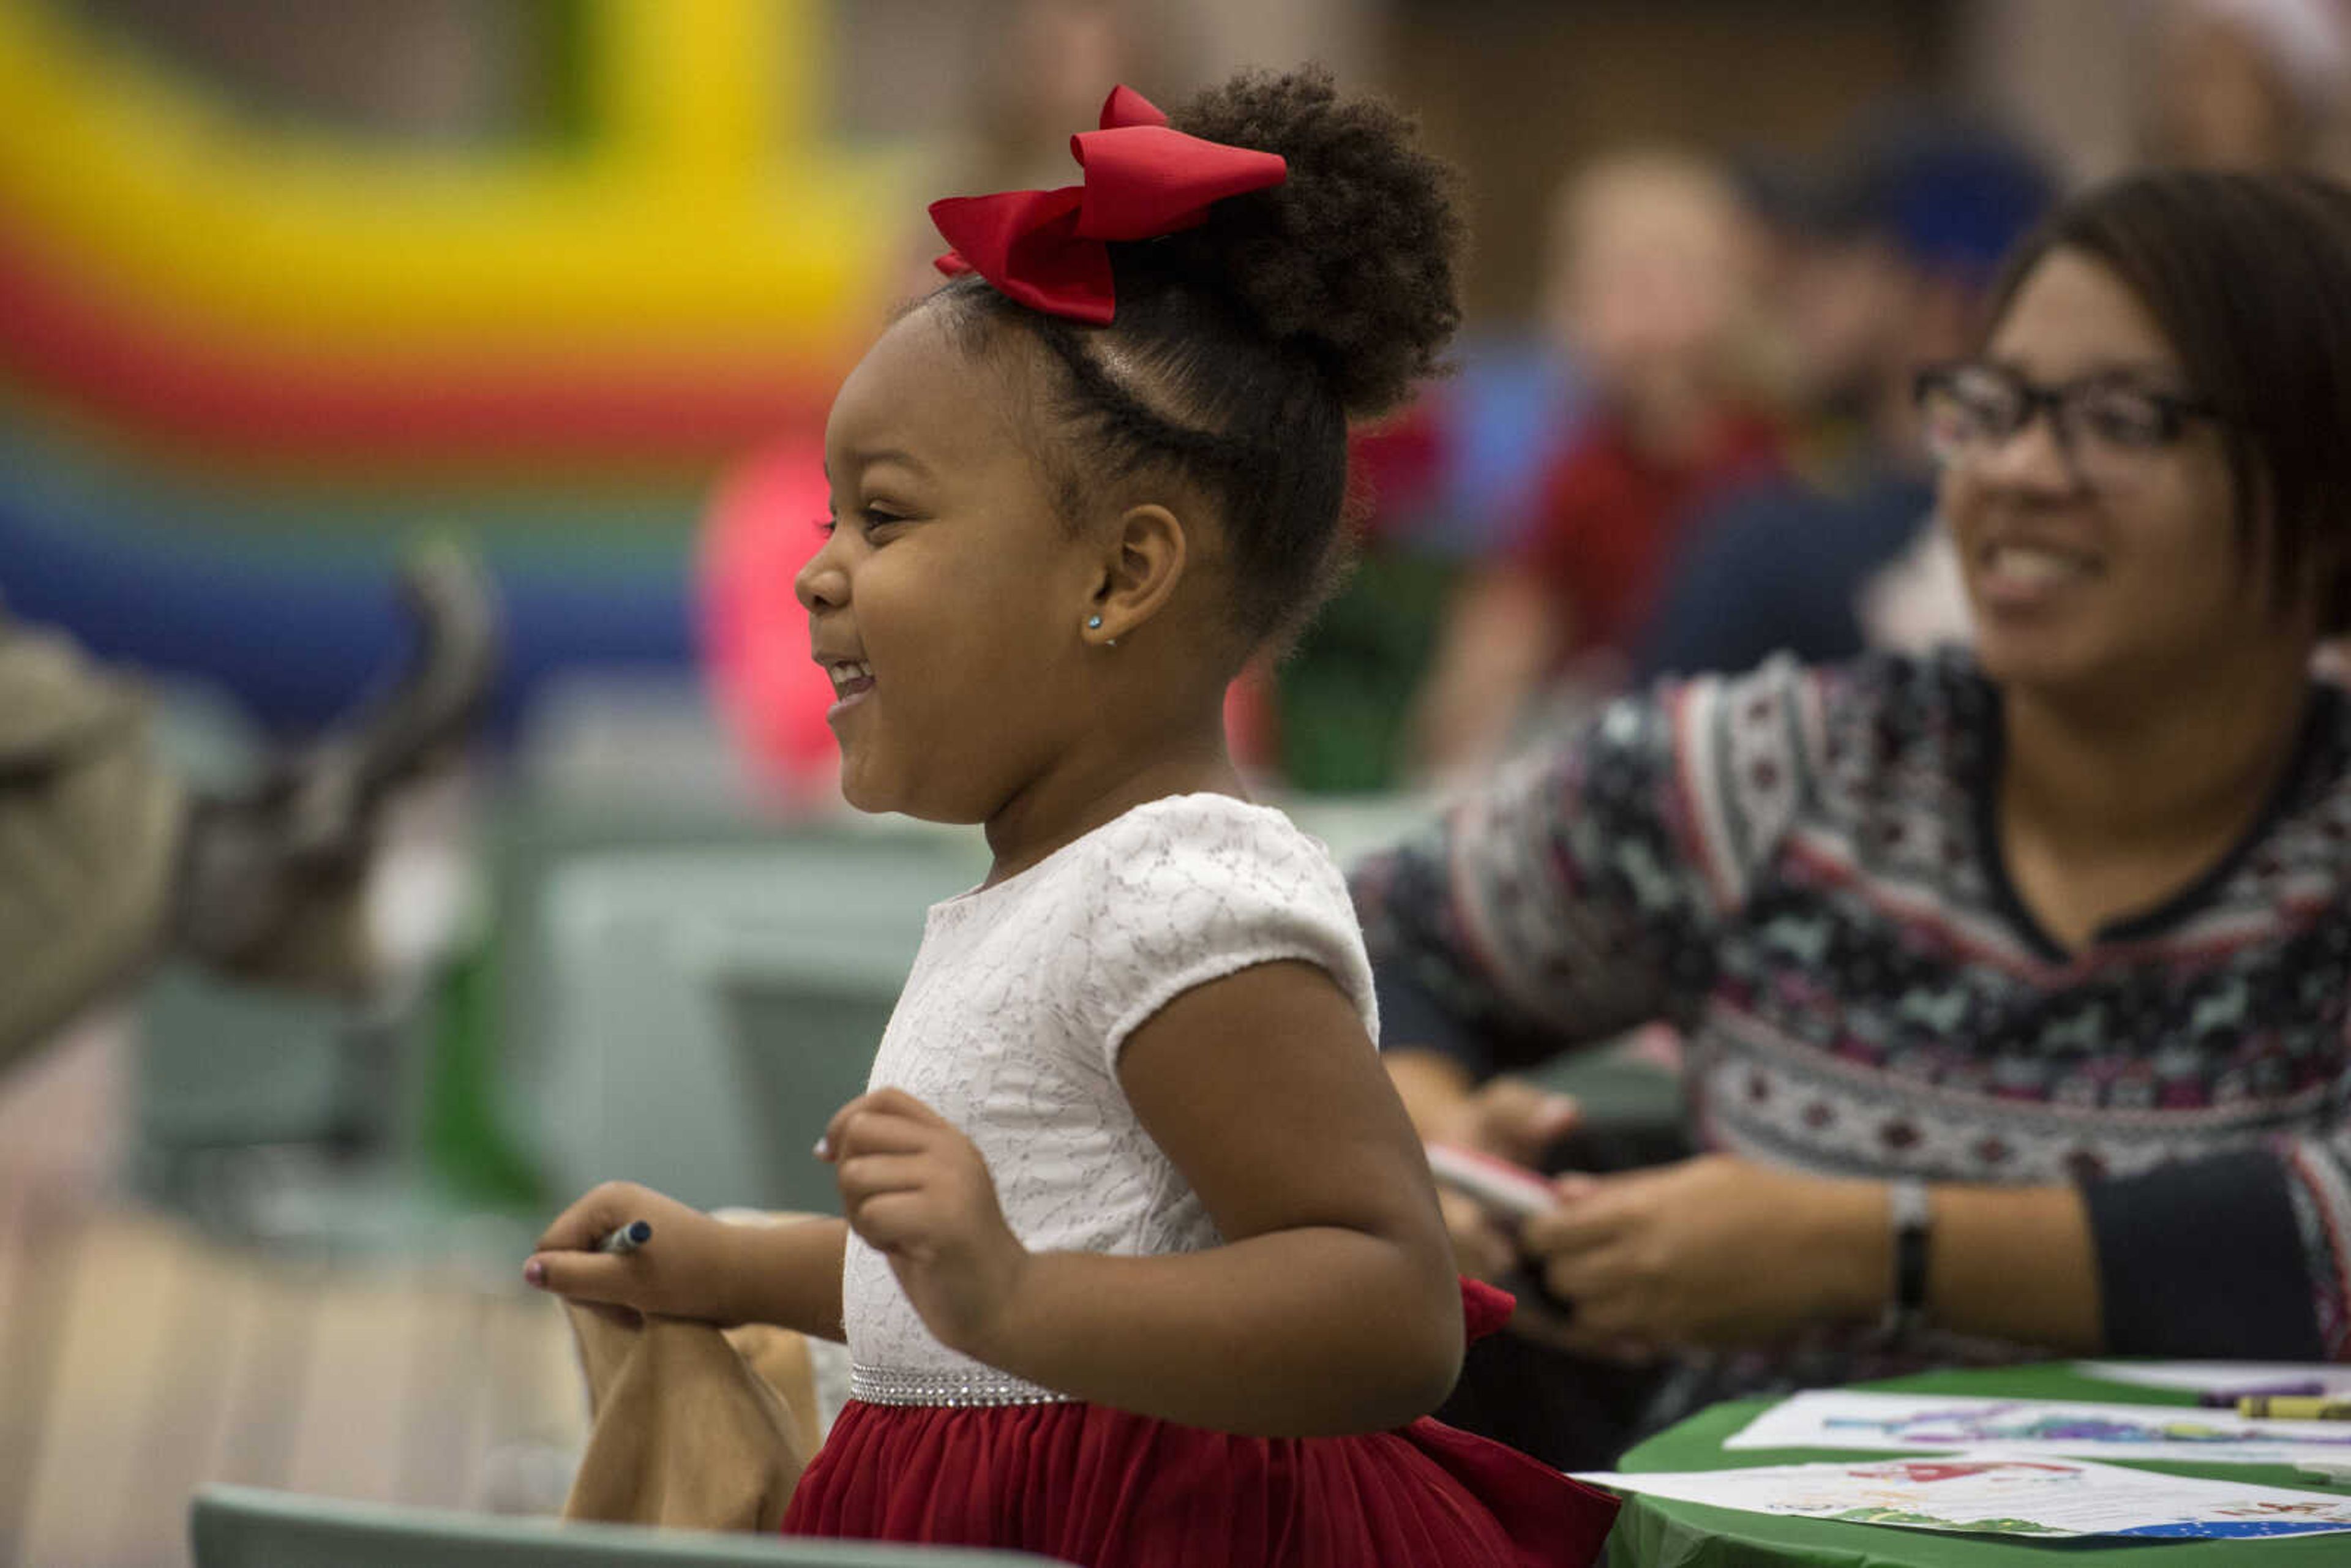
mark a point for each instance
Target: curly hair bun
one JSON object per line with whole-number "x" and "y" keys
{"x": 1352, "y": 259}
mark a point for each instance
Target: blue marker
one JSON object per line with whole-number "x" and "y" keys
{"x": 627, "y": 1239}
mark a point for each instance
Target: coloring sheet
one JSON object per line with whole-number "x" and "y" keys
{"x": 1990, "y": 1493}
{"x": 2333, "y": 1378}
{"x": 1842, "y": 1419}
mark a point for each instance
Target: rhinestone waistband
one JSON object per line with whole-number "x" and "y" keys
{"x": 977, "y": 1386}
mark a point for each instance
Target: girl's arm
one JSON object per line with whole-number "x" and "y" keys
{"x": 1332, "y": 1308}
{"x": 694, "y": 1266}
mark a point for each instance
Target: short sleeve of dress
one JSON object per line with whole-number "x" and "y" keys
{"x": 1195, "y": 887}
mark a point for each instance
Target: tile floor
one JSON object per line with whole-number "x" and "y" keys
{"x": 139, "y": 1358}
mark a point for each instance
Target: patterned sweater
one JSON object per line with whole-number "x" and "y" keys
{"x": 1797, "y": 867}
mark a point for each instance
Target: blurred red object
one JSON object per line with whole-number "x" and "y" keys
{"x": 1396, "y": 469}
{"x": 1252, "y": 720}
{"x": 759, "y": 531}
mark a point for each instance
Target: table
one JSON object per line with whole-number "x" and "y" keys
{"x": 1657, "y": 1532}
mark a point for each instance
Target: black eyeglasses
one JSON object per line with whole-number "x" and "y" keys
{"x": 2107, "y": 425}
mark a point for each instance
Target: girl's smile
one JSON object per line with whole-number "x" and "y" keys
{"x": 851, "y": 679}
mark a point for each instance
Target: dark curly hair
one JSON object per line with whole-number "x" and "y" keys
{"x": 1242, "y": 347}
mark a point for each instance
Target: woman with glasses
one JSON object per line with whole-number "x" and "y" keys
{"x": 2014, "y": 983}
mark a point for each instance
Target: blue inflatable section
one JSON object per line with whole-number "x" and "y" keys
{"x": 300, "y": 642}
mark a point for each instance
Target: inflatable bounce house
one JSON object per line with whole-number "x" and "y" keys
{"x": 244, "y": 365}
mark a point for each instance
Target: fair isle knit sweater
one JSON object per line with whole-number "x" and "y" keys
{"x": 1799, "y": 869}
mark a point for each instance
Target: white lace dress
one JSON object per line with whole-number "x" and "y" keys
{"x": 1011, "y": 1024}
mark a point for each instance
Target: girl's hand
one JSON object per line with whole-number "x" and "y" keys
{"x": 687, "y": 1269}
{"x": 918, "y": 1192}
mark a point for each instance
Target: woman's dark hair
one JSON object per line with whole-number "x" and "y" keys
{"x": 2249, "y": 277}
{"x": 1242, "y": 347}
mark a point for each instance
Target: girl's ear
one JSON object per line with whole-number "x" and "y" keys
{"x": 1147, "y": 555}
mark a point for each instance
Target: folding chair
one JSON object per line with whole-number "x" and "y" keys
{"x": 709, "y": 1009}
{"x": 245, "y": 1527}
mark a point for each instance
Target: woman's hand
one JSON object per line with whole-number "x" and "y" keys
{"x": 690, "y": 1268}
{"x": 1509, "y": 1118}
{"x": 1715, "y": 1250}
{"x": 918, "y": 1192}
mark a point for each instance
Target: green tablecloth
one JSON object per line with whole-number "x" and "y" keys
{"x": 1656, "y": 1532}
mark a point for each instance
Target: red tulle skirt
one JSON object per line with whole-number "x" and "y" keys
{"x": 1109, "y": 1489}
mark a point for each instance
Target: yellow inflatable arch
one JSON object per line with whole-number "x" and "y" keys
{"x": 708, "y": 214}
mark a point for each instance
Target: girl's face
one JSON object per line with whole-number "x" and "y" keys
{"x": 949, "y": 599}
{"x": 2106, "y": 568}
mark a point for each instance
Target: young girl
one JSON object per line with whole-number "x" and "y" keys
{"x": 1141, "y": 1262}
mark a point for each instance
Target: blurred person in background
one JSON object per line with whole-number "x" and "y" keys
{"x": 109, "y": 860}
{"x": 2014, "y": 982}
{"x": 1331, "y": 716}
{"x": 1886, "y": 270}
{"x": 2233, "y": 84}
{"x": 1032, "y": 73}
{"x": 1038, "y": 69}
{"x": 1655, "y": 256}
{"x": 2248, "y": 84}
{"x": 1847, "y": 557}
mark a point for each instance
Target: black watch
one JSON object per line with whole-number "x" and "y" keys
{"x": 1911, "y": 1213}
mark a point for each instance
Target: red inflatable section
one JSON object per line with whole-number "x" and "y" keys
{"x": 172, "y": 381}
{"x": 755, "y": 635}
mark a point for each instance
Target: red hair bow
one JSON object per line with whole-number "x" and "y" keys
{"x": 1045, "y": 248}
